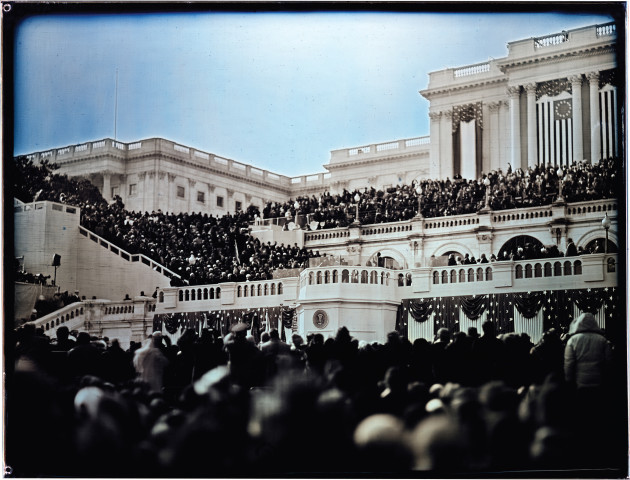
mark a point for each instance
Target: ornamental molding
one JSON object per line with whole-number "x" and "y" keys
{"x": 151, "y": 175}
{"x": 494, "y": 106}
{"x": 191, "y": 182}
{"x": 514, "y": 91}
{"x": 435, "y": 115}
{"x": 530, "y": 88}
{"x": 171, "y": 177}
{"x": 592, "y": 77}
{"x": 210, "y": 188}
{"x": 557, "y": 57}
{"x": 448, "y": 114}
{"x": 428, "y": 93}
{"x": 576, "y": 80}
{"x": 142, "y": 176}
{"x": 161, "y": 175}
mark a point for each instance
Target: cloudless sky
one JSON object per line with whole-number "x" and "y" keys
{"x": 277, "y": 90}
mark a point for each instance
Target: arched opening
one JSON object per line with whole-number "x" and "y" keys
{"x": 480, "y": 274}
{"x": 319, "y": 277}
{"x": 462, "y": 276}
{"x": 528, "y": 271}
{"x": 471, "y": 275}
{"x": 436, "y": 278}
{"x": 364, "y": 276}
{"x": 345, "y": 276}
{"x": 218, "y": 292}
{"x": 266, "y": 289}
{"x": 444, "y": 276}
{"x": 280, "y": 288}
{"x": 453, "y": 276}
{"x": 327, "y": 276}
{"x": 567, "y": 268}
{"x": 538, "y": 270}
{"x": 489, "y": 273}
{"x": 598, "y": 245}
{"x": 526, "y": 242}
{"x": 374, "y": 276}
{"x": 335, "y": 276}
{"x": 577, "y": 268}
{"x": 547, "y": 269}
{"x": 557, "y": 269}
{"x": 310, "y": 278}
{"x": 239, "y": 291}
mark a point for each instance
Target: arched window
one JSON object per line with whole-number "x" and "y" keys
{"x": 273, "y": 289}
{"x": 538, "y": 270}
{"x": 245, "y": 291}
{"x": 327, "y": 276}
{"x": 239, "y": 291}
{"x": 471, "y": 275}
{"x": 187, "y": 295}
{"x": 266, "y": 290}
{"x": 218, "y": 292}
{"x": 345, "y": 276}
{"x": 252, "y": 291}
{"x": 436, "y": 278}
{"x": 547, "y": 269}
{"x": 319, "y": 277}
{"x": 528, "y": 271}
{"x": 567, "y": 268}
{"x": 408, "y": 279}
{"x": 462, "y": 276}
{"x": 212, "y": 294}
{"x": 577, "y": 267}
{"x": 310, "y": 278}
{"x": 205, "y": 294}
{"x": 444, "y": 277}
{"x": 364, "y": 276}
{"x": 199, "y": 294}
{"x": 557, "y": 269}
{"x": 181, "y": 295}
{"x": 259, "y": 293}
{"x": 453, "y": 276}
{"x": 192, "y": 294}
{"x": 489, "y": 273}
{"x": 480, "y": 274}
{"x": 335, "y": 276}
{"x": 355, "y": 276}
{"x": 280, "y": 288}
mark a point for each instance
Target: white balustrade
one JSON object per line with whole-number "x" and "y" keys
{"x": 472, "y": 70}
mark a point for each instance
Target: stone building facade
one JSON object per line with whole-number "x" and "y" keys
{"x": 551, "y": 100}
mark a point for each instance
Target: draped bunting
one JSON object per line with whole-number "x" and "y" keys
{"x": 219, "y": 320}
{"x": 474, "y": 306}
{"x": 528, "y": 303}
{"x": 420, "y": 309}
{"x": 553, "y": 88}
{"x": 589, "y": 302}
{"x": 529, "y": 312}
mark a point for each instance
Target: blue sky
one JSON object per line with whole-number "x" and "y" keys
{"x": 277, "y": 90}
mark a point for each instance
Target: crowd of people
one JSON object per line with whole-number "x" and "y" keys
{"x": 536, "y": 186}
{"x": 212, "y": 406}
{"x": 204, "y": 249}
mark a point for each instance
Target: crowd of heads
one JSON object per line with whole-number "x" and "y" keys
{"x": 208, "y": 406}
{"x": 535, "y": 186}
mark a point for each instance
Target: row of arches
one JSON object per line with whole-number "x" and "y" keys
{"x": 193, "y": 294}
{"x": 547, "y": 270}
{"x": 522, "y": 216}
{"x": 394, "y": 229}
{"x": 591, "y": 209}
{"x": 259, "y": 290}
{"x": 452, "y": 223}
{"x": 60, "y": 320}
{"x": 346, "y": 276}
{"x": 119, "y": 309}
{"x": 462, "y": 276}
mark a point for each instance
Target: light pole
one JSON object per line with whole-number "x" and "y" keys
{"x": 560, "y": 174}
{"x": 357, "y": 199}
{"x": 606, "y": 224}
{"x": 419, "y": 194}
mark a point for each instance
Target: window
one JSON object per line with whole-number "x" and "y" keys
{"x": 181, "y": 192}
{"x": 133, "y": 190}
{"x": 201, "y": 197}
{"x": 238, "y": 206}
{"x": 220, "y": 202}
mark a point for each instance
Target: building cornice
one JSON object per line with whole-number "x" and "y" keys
{"x": 555, "y": 57}
{"x": 368, "y": 161}
{"x": 432, "y": 92}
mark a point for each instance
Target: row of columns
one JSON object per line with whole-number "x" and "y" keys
{"x": 514, "y": 93}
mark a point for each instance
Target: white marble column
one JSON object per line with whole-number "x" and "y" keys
{"x": 578, "y": 142}
{"x": 107, "y": 186}
{"x": 434, "y": 132}
{"x": 593, "y": 80}
{"x": 447, "y": 162}
{"x": 495, "y": 135}
{"x": 532, "y": 154}
{"x": 515, "y": 125}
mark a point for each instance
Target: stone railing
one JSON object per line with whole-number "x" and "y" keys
{"x": 129, "y": 257}
{"x": 518, "y": 216}
{"x": 159, "y": 145}
{"x": 71, "y": 316}
{"x": 355, "y": 274}
{"x": 417, "y": 143}
{"x": 548, "y": 40}
{"x": 606, "y": 29}
{"x": 471, "y": 70}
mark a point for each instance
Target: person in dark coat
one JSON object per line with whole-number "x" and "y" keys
{"x": 571, "y": 249}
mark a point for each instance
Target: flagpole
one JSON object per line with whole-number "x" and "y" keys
{"x": 116, "y": 108}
